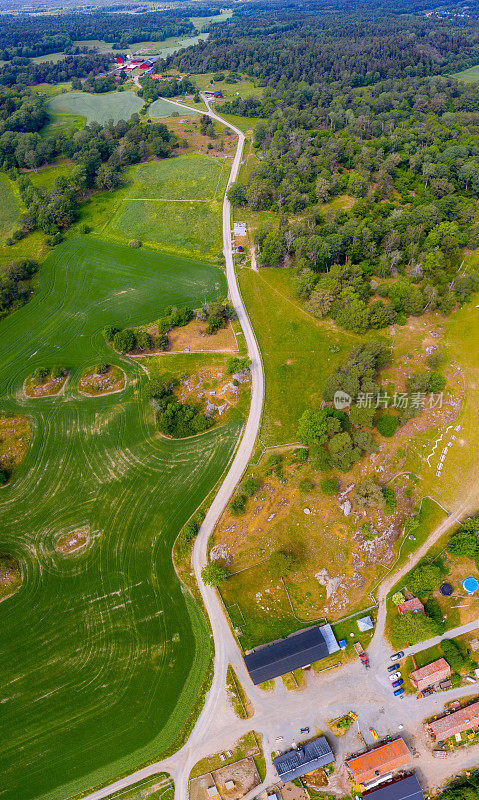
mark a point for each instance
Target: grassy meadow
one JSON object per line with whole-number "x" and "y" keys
{"x": 189, "y": 177}
{"x": 97, "y": 107}
{"x": 299, "y": 352}
{"x": 159, "y": 787}
{"x": 470, "y": 75}
{"x": 104, "y": 653}
{"x": 9, "y": 206}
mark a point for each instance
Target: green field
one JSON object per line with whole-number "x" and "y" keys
{"x": 46, "y": 177}
{"x": 160, "y": 787}
{"x": 298, "y": 351}
{"x": 470, "y": 75}
{"x": 97, "y": 107}
{"x": 195, "y": 177}
{"x": 103, "y": 653}
{"x": 9, "y": 207}
{"x": 161, "y": 109}
{"x": 187, "y": 229}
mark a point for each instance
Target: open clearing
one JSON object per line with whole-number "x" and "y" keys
{"x": 188, "y": 229}
{"x": 104, "y": 653}
{"x": 9, "y": 207}
{"x": 190, "y": 177}
{"x": 160, "y": 109}
{"x": 97, "y": 107}
{"x": 470, "y": 75}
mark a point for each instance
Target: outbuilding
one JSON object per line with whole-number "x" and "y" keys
{"x": 432, "y": 673}
{"x": 407, "y": 788}
{"x": 381, "y": 761}
{"x": 312, "y": 755}
{"x": 301, "y": 649}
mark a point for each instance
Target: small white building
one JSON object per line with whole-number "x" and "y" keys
{"x": 239, "y": 228}
{"x": 365, "y": 624}
{"x": 229, "y": 784}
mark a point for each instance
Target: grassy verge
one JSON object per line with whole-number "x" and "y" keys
{"x": 237, "y": 695}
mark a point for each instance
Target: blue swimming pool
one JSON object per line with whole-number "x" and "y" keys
{"x": 470, "y": 584}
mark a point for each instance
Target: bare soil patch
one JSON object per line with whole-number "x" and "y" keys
{"x": 71, "y": 542}
{"x": 10, "y": 576}
{"x": 51, "y": 387}
{"x": 96, "y": 383}
{"x": 212, "y": 389}
{"x": 192, "y": 338}
{"x": 15, "y": 435}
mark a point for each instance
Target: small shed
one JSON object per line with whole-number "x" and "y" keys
{"x": 365, "y": 624}
{"x": 239, "y": 228}
{"x": 229, "y": 784}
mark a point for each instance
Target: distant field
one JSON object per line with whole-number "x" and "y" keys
{"x": 202, "y": 22}
{"x": 9, "y": 207}
{"x": 470, "y": 75}
{"x": 161, "y": 109}
{"x": 97, "y": 107}
{"x": 103, "y": 653}
{"x": 188, "y": 229}
{"x": 244, "y": 87}
{"x": 191, "y": 177}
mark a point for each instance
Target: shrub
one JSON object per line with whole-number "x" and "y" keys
{"x": 464, "y": 543}
{"x": 390, "y": 502}
{"x": 368, "y": 494}
{"x": 3, "y": 477}
{"x": 41, "y": 374}
{"x": 436, "y": 382}
{"x": 237, "y": 505}
{"x": 144, "y": 340}
{"x": 101, "y": 369}
{"x": 436, "y": 359}
{"x": 412, "y": 628}
{"x": 398, "y": 598}
{"x": 250, "y": 486}
{"x": 135, "y": 243}
{"x": 387, "y": 425}
{"x": 456, "y": 680}
{"x": 109, "y": 332}
{"x": 299, "y": 455}
{"x": 424, "y": 579}
{"x": 57, "y": 372}
{"x": 124, "y": 341}
{"x": 162, "y": 342}
{"x": 281, "y": 562}
{"x": 85, "y": 228}
{"x": 237, "y": 365}
{"x": 214, "y": 574}
{"x": 190, "y": 530}
{"x": 452, "y": 654}
{"x": 306, "y": 486}
{"x": 329, "y": 485}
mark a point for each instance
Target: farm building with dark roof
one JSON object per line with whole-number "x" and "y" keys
{"x": 298, "y": 650}
{"x": 407, "y": 788}
{"x": 307, "y": 758}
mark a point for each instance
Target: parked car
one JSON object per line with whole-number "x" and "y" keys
{"x": 397, "y": 655}
{"x": 304, "y": 730}
{"x": 397, "y": 683}
{"x": 393, "y": 667}
{"x": 395, "y": 676}
{"x": 398, "y": 692}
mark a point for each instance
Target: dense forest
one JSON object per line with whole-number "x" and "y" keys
{"x": 30, "y": 36}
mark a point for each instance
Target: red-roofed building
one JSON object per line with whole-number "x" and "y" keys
{"x": 120, "y": 60}
{"x": 414, "y": 605}
{"x": 432, "y": 673}
{"x": 385, "y": 759}
{"x": 463, "y": 720}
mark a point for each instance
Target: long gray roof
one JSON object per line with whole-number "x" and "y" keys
{"x": 281, "y": 657}
{"x": 311, "y": 755}
{"x": 406, "y": 789}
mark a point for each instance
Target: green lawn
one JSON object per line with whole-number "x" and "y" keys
{"x": 97, "y": 107}
{"x": 203, "y": 22}
{"x": 298, "y": 352}
{"x": 186, "y": 229}
{"x": 191, "y": 177}
{"x": 470, "y": 75}
{"x": 103, "y": 653}
{"x": 46, "y": 177}
{"x": 9, "y": 207}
